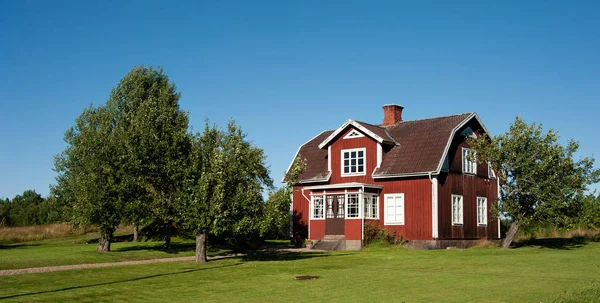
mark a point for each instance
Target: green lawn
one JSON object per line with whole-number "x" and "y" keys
{"x": 526, "y": 274}
{"x": 65, "y": 252}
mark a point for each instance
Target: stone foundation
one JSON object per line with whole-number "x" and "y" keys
{"x": 353, "y": 245}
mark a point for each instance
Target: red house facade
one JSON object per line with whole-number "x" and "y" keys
{"x": 412, "y": 177}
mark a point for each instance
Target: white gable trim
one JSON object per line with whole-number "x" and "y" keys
{"x": 356, "y": 125}
{"x": 296, "y": 155}
{"x": 459, "y": 126}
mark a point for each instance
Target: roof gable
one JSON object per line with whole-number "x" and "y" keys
{"x": 377, "y": 133}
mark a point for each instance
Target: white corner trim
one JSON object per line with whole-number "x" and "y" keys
{"x": 434, "y": 207}
{"x": 379, "y": 154}
{"x": 498, "y": 182}
{"x": 460, "y": 125}
{"x": 296, "y": 155}
{"x": 355, "y": 125}
{"x": 329, "y": 158}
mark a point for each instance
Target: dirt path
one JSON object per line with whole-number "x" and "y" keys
{"x": 83, "y": 266}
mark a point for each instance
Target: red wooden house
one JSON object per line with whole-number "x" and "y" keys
{"x": 411, "y": 177}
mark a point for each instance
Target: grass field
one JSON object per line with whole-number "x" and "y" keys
{"x": 552, "y": 272}
{"x": 65, "y": 252}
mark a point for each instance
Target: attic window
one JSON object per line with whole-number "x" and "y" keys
{"x": 353, "y": 162}
{"x": 353, "y": 134}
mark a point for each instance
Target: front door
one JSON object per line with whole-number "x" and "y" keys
{"x": 335, "y": 215}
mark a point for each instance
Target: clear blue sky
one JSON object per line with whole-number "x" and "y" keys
{"x": 286, "y": 70}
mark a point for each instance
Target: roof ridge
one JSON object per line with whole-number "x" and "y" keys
{"x": 423, "y": 119}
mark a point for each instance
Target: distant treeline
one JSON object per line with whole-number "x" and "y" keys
{"x": 30, "y": 208}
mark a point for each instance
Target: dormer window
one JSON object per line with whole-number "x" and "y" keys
{"x": 353, "y": 134}
{"x": 353, "y": 162}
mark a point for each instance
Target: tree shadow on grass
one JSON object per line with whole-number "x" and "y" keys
{"x": 175, "y": 248}
{"x": 23, "y": 245}
{"x": 555, "y": 243}
{"x": 285, "y": 255}
{"x": 116, "y": 282}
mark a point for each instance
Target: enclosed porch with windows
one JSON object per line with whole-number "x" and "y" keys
{"x": 338, "y": 212}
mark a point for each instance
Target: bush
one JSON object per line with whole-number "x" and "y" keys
{"x": 374, "y": 233}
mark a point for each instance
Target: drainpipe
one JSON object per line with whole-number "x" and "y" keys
{"x": 308, "y": 218}
{"x": 362, "y": 200}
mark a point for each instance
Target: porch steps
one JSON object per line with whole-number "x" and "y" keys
{"x": 331, "y": 243}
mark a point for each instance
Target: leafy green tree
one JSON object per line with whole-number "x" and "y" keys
{"x": 90, "y": 172}
{"x": 5, "y": 212}
{"x": 146, "y": 105}
{"x": 539, "y": 177}
{"x": 590, "y": 212}
{"x": 225, "y": 180}
{"x": 276, "y": 214}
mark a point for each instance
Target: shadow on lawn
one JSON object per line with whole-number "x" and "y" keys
{"x": 555, "y": 243}
{"x": 174, "y": 249}
{"x": 116, "y": 282}
{"x": 9, "y": 246}
{"x": 284, "y": 255}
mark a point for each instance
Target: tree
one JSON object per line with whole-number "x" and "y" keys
{"x": 276, "y": 217}
{"x": 539, "y": 177}
{"x": 90, "y": 173}
{"x": 146, "y": 105}
{"x": 224, "y": 186}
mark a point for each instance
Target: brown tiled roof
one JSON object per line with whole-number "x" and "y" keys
{"x": 316, "y": 159}
{"x": 378, "y": 130}
{"x": 422, "y": 144}
{"x": 419, "y": 147}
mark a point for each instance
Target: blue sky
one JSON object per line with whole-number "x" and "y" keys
{"x": 286, "y": 70}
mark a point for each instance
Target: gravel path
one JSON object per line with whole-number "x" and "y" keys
{"x": 83, "y": 266}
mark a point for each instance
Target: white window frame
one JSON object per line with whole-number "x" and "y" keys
{"x": 312, "y": 207}
{"x": 481, "y": 212}
{"x": 353, "y": 134}
{"x": 469, "y": 166}
{"x": 491, "y": 173}
{"x": 364, "y": 150}
{"x": 358, "y": 205}
{"x": 385, "y": 209}
{"x": 371, "y": 203}
{"x": 457, "y": 219}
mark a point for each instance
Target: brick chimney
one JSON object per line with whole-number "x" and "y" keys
{"x": 392, "y": 113}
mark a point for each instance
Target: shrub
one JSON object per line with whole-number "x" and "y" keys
{"x": 374, "y": 233}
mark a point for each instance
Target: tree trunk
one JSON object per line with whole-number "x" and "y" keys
{"x": 104, "y": 242}
{"x": 201, "y": 247}
{"x": 167, "y": 243}
{"x": 510, "y": 235}
{"x": 135, "y": 232}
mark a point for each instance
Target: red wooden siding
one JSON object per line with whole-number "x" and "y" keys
{"x": 336, "y": 157}
{"x": 353, "y": 229}
{"x": 317, "y": 229}
{"x": 470, "y": 187}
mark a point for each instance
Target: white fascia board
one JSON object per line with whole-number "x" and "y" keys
{"x": 404, "y": 175}
{"x": 296, "y": 155}
{"x": 343, "y": 185}
{"x": 356, "y": 125}
{"x": 459, "y": 126}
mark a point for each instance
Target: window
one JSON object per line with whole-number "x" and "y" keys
{"x": 481, "y": 211}
{"x": 353, "y": 134}
{"x": 353, "y": 208}
{"x": 491, "y": 173}
{"x": 317, "y": 207}
{"x": 371, "y": 206}
{"x": 394, "y": 209}
{"x": 457, "y": 210}
{"x": 469, "y": 161}
{"x": 353, "y": 162}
